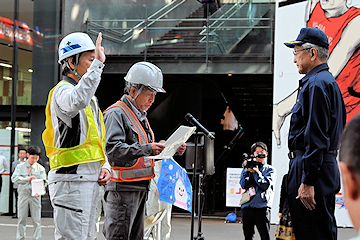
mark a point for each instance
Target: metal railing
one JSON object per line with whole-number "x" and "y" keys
{"x": 217, "y": 35}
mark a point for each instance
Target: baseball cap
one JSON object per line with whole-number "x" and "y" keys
{"x": 258, "y": 144}
{"x": 310, "y": 35}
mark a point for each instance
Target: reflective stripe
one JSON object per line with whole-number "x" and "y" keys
{"x": 91, "y": 150}
{"x": 143, "y": 169}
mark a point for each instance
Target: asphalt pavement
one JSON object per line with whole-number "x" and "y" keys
{"x": 212, "y": 228}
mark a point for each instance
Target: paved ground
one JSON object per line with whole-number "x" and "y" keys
{"x": 212, "y": 228}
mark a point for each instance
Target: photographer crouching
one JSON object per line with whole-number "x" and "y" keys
{"x": 258, "y": 179}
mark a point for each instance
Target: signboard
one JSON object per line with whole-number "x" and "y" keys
{"x": 290, "y": 17}
{"x": 22, "y": 35}
{"x": 233, "y": 188}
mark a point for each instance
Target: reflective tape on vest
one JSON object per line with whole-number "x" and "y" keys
{"x": 143, "y": 169}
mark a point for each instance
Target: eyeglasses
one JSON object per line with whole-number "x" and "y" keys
{"x": 296, "y": 52}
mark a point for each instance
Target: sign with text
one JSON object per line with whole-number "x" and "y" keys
{"x": 22, "y": 35}
{"x": 233, "y": 188}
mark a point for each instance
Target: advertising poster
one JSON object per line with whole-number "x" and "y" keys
{"x": 233, "y": 188}
{"x": 344, "y": 40}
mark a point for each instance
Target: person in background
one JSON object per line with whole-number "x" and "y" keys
{"x": 350, "y": 169}
{"x": 23, "y": 175}
{"x": 259, "y": 181}
{"x": 317, "y": 122}
{"x": 210, "y": 6}
{"x": 3, "y": 168}
{"x": 22, "y": 158}
{"x": 153, "y": 205}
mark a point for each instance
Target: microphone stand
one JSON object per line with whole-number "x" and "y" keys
{"x": 197, "y": 187}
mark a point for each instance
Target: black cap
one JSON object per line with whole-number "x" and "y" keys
{"x": 258, "y": 144}
{"x": 310, "y": 35}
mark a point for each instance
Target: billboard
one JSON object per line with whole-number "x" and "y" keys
{"x": 341, "y": 28}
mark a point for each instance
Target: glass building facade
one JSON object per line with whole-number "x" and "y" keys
{"x": 216, "y": 61}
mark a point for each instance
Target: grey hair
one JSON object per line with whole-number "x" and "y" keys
{"x": 323, "y": 53}
{"x": 129, "y": 85}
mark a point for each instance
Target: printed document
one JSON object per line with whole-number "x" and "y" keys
{"x": 180, "y": 136}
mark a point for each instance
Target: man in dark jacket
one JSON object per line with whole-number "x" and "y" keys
{"x": 259, "y": 181}
{"x": 317, "y": 122}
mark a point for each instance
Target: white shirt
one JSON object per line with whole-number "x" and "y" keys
{"x": 3, "y": 165}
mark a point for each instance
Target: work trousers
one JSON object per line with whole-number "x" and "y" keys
{"x": 125, "y": 215}
{"x": 15, "y": 190}
{"x": 26, "y": 201}
{"x": 74, "y": 206}
{"x": 259, "y": 217}
{"x": 318, "y": 224}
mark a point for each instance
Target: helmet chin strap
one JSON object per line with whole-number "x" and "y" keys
{"x": 138, "y": 93}
{"x": 76, "y": 65}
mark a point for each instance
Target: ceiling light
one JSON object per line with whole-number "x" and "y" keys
{"x": 5, "y": 65}
{"x": 19, "y": 129}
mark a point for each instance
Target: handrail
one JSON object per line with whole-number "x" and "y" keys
{"x": 162, "y": 30}
{"x": 137, "y": 26}
{"x": 146, "y": 20}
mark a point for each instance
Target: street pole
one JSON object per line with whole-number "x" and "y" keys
{"x": 13, "y": 100}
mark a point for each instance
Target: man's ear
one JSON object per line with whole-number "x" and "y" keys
{"x": 350, "y": 181}
{"x": 313, "y": 52}
{"x": 133, "y": 92}
{"x": 71, "y": 63}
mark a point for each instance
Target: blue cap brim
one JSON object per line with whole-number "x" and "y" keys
{"x": 292, "y": 44}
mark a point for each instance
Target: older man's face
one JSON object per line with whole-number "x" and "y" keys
{"x": 302, "y": 59}
{"x": 145, "y": 99}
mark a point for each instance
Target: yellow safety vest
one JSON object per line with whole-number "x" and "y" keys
{"x": 91, "y": 150}
{"x": 143, "y": 169}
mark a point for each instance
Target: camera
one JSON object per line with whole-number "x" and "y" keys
{"x": 251, "y": 161}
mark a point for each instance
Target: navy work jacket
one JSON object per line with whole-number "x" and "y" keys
{"x": 264, "y": 182}
{"x": 317, "y": 121}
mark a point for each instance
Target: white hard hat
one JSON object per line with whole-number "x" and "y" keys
{"x": 147, "y": 74}
{"x": 74, "y": 43}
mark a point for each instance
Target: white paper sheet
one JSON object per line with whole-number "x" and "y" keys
{"x": 180, "y": 136}
{"x": 37, "y": 186}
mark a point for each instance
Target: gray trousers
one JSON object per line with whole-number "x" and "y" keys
{"x": 125, "y": 215}
{"x": 74, "y": 206}
{"x": 26, "y": 201}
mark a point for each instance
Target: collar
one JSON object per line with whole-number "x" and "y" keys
{"x": 141, "y": 115}
{"x": 318, "y": 68}
{"x": 70, "y": 80}
{"x": 28, "y": 164}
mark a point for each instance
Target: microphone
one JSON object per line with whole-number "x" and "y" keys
{"x": 193, "y": 121}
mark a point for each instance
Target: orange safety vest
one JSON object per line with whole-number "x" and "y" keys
{"x": 143, "y": 169}
{"x": 91, "y": 150}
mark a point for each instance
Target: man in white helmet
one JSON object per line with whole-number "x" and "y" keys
{"x": 74, "y": 138}
{"x": 129, "y": 142}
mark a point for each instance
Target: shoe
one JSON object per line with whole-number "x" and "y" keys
{"x": 14, "y": 216}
